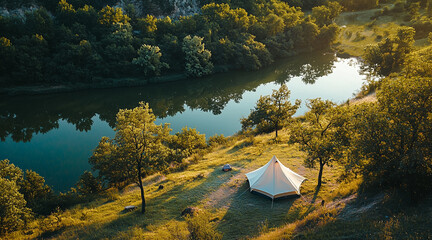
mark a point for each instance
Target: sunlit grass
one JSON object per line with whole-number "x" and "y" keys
{"x": 360, "y": 29}
{"x": 237, "y": 212}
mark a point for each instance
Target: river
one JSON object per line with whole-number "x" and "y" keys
{"x": 55, "y": 134}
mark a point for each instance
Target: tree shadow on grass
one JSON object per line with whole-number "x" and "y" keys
{"x": 161, "y": 208}
{"x": 248, "y": 211}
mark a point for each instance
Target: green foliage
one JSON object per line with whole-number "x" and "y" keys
{"x": 355, "y": 5}
{"x": 271, "y": 112}
{"x": 252, "y": 55}
{"x": 149, "y": 60}
{"x": 197, "y": 58}
{"x": 201, "y": 228}
{"x": 147, "y": 25}
{"x": 328, "y": 35}
{"x": 31, "y": 186}
{"x": 10, "y": 172}
{"x": 217, "y": 140}
{"x": 111, "y": 169}
{"x": 325, "y": 15}
{"x": 391, "y": 145}
{"x": 34, "y": 189}
{"x": 7, "y": 55}
{"x": 4, "y": 42}
{"x": 419, "y": 63}
{"x": 13, "y": 210}
{"x": 87, "y": 41}
{"x": 66, "y": 12}
{"x": 88, "y": 184}
{"x": 322, "y": 135}
{"x": 226, "y": 20}
{"x": 390, "y": 54}
{"x": 109, "y": 15}
{"x": 188, "y": 141}
{"x": 138, "y": 149}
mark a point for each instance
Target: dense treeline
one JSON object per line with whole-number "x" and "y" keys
{"x": 80, "y": 41}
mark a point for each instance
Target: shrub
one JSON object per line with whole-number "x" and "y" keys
{"x": 217, "y": 140}
{"x": 200, "y": 227}
{"x": 88, "y": 184}
{"x": 188, "y": 141}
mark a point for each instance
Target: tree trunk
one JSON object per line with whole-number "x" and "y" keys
{"x": 276, "y": 128}
{"x": 320, "y": 174}
{"x": 142, "y": 191}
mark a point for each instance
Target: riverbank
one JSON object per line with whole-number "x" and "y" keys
{"x": 97, "y": 83}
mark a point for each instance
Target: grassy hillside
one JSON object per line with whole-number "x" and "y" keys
{"x": 336, "y": 211}
{"x": 237, "y": 212}
{"x": 362, "y": 28}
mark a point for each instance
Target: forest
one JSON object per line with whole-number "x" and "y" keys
{"x": 84, "y": 42}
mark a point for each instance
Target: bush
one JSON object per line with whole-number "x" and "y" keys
{"x": 200, "y": 227}
{"x": 188, "y": 141}
{"x": 88, "y": 184}
{"x": 217, "y": 140}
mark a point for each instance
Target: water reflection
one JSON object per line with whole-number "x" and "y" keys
{"x": 21, "y": 117}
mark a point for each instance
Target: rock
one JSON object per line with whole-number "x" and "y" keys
{"x": 190, "y": 211}
{"x": 130, "y": 208}
{"x": 161, "y": 187}
{"x": 226, "y": 168}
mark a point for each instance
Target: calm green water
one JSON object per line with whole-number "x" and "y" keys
{"x": 55, "y": 134}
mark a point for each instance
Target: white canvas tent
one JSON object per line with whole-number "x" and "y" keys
{"x": 275, "y": 180}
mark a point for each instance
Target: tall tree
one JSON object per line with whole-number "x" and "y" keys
{"x": 13, "y": 210}
{"x": 323, "y": 134}
{"x": 197, "y": 58}
{"x": 139, "y": 146}
{"x": 272, "y": 111}
{"x": 34, "y": 189}
{"x": 149, "y": 60}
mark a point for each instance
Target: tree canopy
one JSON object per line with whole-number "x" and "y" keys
{"x": 73, "y": 41}
{"x": 271, "y": 112}
{"x": 392, "y": 140}
{"x": 322, "y": 134}
{"x": 138, "y": 149}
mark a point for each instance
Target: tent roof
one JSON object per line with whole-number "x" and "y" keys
{"x": 275, "y": 180}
